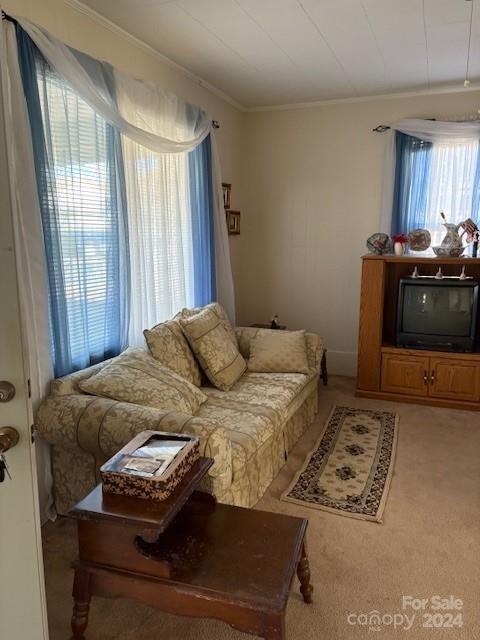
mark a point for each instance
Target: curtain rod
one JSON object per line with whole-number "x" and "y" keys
{"x": 5, "y": 16}
{"x": 381, "y": 128}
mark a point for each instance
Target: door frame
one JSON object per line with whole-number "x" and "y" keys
{"x": 23, "y": 612}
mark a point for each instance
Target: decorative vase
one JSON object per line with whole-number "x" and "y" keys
{"x": 398, "y": 248}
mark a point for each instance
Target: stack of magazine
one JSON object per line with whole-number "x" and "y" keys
{"x": 150, "y": 460}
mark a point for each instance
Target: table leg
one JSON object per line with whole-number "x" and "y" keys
{"x": 303, "y": 573}
{"x": 323, "y": 368}
{"x": 275, "y": 627}
{"x": 81, "y": 603}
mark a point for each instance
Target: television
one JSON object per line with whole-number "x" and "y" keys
{"x": 437, "y": 314}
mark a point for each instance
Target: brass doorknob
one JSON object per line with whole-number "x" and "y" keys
{"x": 7, "y": 391}
{"x": 8, "y": 438}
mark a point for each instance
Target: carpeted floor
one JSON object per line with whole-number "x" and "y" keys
{"x": 428, "y": 545}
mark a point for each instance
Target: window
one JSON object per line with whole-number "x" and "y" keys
{"x": 84, "y": 228}
{"x": 434, "y": 177}
{"x": 129, "y": 235}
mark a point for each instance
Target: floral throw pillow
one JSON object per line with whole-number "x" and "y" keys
{"x": 278, "y": 352}
{"x": 168, "y": 345}
{"x": 135, "y": 376}
{"x": 220, "y": 358}
{"x": 218, "y": 310}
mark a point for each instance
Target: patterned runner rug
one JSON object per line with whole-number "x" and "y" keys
{"x": 349, "y": 470}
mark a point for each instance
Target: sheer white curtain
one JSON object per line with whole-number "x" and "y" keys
{"x": 160, "y": 236}
{"x": 28, "y": 233}
{"x": 452, "y": 178}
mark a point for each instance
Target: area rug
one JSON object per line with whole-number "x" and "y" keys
{"x": 348, "y": 472}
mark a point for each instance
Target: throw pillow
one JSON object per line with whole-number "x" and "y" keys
{"x": 220, "y": 358}
{"x": 168, "y": 345}
{"x": 135, "y": 376}
{"x": 218, "y": 310}
{"x": 278, "y": 352}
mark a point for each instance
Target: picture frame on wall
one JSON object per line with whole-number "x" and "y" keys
{"x": 233, "y": 222}
{"x": 227, "y": 188}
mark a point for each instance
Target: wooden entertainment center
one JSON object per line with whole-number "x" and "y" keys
{"x": 388, "y": 372}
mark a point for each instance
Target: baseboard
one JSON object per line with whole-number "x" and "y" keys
{"x": 342, "y": 363}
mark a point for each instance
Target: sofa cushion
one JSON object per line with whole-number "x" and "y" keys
{"x": 274, "y": 391}
{"x": 278, "y": 352}
{"x": 254, "y": 409}
{"x": 135, "y": 376}
{"x": 218, "y": 310}
{"x": 220, "y": 358}
{"x": 168, "y": 345}
{"x": 315, "y": 346}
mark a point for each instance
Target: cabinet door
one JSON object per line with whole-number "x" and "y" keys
{"x": 405, "y": 374}
{"x": 454, "y": 379}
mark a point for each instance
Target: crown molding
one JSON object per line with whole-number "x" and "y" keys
{"x": 372, "y": 98}
{"x": 140, "y": 44}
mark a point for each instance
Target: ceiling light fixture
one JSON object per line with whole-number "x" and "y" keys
{"x": 466, "y": 82}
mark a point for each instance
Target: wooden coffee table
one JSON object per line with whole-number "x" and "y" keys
{"x": 191, "y": 556}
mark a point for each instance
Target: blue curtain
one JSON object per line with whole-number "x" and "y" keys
{"x": 81, "y": 189}
{"x": 201, "y": 202}
{"x": 412, "y": 174}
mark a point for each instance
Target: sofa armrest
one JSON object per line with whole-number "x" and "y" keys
{"x": 314, "y": 344}
{"x": 315, "y": 349}
{"x": 101, "y": 427}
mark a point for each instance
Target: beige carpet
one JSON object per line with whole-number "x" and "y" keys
{"x": 429, "y": 543}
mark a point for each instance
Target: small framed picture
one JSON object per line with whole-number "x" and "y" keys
{"x": 227, "y": 188}
{"x": 233, "y": 222}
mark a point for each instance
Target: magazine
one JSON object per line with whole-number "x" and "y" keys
{"x": 151, "y": 459}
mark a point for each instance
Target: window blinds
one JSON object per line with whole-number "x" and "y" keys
{"x": 84, "y": 229}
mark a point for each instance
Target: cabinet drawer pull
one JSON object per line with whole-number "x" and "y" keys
{"x": 425, "y": 377}
{"x": 432, "y": 377}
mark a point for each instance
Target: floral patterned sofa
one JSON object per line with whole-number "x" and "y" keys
{"x": 248, "y": 430}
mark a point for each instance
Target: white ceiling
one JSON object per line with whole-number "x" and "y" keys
{"x": 274, "y": 52}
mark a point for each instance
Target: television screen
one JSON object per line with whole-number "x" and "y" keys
{"x": 437, "y": 314}
{"x": 433, "y": 310}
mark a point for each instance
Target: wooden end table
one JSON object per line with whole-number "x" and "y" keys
{"x": 190, "y": 556}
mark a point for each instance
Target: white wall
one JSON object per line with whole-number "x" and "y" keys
{"x": 71, "y": 23}
{"x": 312, "y": 190}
